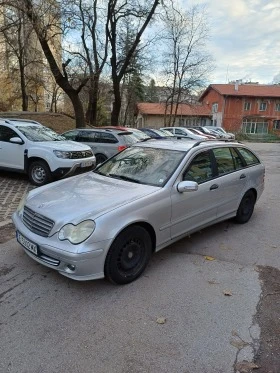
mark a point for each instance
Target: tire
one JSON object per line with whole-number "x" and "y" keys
{"x": 128, "y": 255}
{"x": 39, "y": 173}
{"x": 100, "y": 158}
{"x": 246, "y": 208}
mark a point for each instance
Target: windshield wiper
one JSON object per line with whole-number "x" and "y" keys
{"x": 126, "y": 178}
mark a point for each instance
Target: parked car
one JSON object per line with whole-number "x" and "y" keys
{"x": 104, "y": 142}
{"x": 222, "y": 132}
{"x": 206, "y": 131}
{"x": 28, "y": 147}
{"x": 156, "y": 133}
{"x": 182, "y": 131}
{"x": 198, "y": 132}
{"x": 108, "y": 222}
{"x": 140, "y": 135}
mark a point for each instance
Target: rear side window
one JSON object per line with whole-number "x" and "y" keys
{"x": 248, "y": 156}
{"x": 87, "y": 136}
{"x": 238, "y": 162}
{"x": 179, "y": 132}
{"x": 200, "y": 168}
{"x": 224, "y": 160}
{"x": 107, "y": 138}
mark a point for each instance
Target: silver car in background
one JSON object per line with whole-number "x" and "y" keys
{"x": 108, "y": 222}
{"x": 182, "y": 131}
{"x": 104, "y": 142}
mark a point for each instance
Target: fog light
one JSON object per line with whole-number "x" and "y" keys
{"x": 71, "y": 267}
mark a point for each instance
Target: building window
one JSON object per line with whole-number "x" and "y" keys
{"x": 276, "y": 124}
{"x": 215, "y": 108}
{"x": 263, "y": 106}
{"x": 277, "y": 107}
{"x": 181, "y": 121}
{"x": 247, "y": 105}
{"x": 254, "y": 126}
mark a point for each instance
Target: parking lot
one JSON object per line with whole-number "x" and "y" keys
{"x": 207, "y": 304}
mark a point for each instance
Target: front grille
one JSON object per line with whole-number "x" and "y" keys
{"x": 81, "y": 154}
{"x": 37, "y": 223}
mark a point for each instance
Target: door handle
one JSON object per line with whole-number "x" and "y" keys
{"x": 242, "y": 176}
{"x": 214, "y": 186}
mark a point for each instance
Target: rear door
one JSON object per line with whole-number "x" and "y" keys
{"x": 231, "y": 180}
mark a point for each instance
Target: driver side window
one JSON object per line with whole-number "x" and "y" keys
{"x": 7, "y": 133}
{"x": 200, "y": 168}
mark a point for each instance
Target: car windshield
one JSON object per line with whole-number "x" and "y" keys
{"x": 150, "y": 166}
{"x": 39, "y": 133}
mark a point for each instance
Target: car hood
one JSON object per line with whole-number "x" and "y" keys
{"x": 66, "y": 145}
{"x": 85, "y": 196}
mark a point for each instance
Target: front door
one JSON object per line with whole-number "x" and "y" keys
{"x": 11, "y": 155}
{"x": 191, "y": 210}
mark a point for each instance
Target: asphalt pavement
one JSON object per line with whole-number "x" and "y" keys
{"x": 207, "y": 290}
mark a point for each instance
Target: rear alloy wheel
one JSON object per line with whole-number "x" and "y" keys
{"x": 39, "y": 173}
{"x": 100, "y": 158}
{"x": 246, "y": 208}
{"x": 128, "y": 255}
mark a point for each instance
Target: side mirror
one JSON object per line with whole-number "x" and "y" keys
{"x": 187, "y": 186}
{"x": 16, "y": 140}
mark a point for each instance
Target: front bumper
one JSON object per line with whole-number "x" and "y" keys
{"x": 51, "y": 253}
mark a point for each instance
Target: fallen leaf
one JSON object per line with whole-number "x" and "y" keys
{"x": 213, "y": 282}
{"x": 161, "y": 320}
{"x": 245, "y": 366}
{"x": 238, "y": 344}
{"x": 207, "y": 257}
{"x": 228, "y": 293}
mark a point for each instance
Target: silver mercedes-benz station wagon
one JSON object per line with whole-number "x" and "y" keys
{"x": 108, "y": 222}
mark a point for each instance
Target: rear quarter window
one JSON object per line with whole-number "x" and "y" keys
{"x": 248, "y": 156}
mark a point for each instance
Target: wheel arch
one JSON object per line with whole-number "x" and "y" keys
{"x": 148, "y": 227}
{"x": 32, "y": 159}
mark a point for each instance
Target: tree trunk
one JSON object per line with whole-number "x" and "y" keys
{"x": 91, "y": 114}
{"x": 78, "y": 108}
{"x": 116, "y": 106}
{"x": 23, "y": 88}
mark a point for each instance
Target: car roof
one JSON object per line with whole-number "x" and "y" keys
{"x": 22, "y": 122}
{"x": 99, "y": 129}
{"x": 183, "y": 145}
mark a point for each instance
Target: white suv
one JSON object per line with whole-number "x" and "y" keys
{"x": 29, "y": 147}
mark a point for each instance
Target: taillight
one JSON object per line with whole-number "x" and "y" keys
{"x": 121, "y": 147}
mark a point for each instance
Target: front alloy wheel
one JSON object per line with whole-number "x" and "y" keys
{"x": 128, "y": 256}
{"x": 39, "y": 173}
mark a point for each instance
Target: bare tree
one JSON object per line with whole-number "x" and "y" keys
{"x": 44, "y": 17}
{"x": 119, "y": 10}
{"x": 187, "y": 61}
{"x": 88, "y": 19}
{"x": 15, "y": 36}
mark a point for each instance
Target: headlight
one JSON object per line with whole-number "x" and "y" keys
{"x": 77, "y": 233}
{"x": 21, "y": 205}
{"x": 62, "y": 154}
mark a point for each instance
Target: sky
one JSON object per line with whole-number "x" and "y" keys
{"x": 244, "y": 39}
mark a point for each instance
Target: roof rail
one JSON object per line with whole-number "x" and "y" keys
{"x": 20, "y": 120}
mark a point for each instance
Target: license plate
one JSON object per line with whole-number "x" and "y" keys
{"x": 30, "y": 246}
{"x": 86, "y": 164}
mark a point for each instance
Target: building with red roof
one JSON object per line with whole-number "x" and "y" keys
{"x": 251, "y": 108}
{"x": 154, "y": 114}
